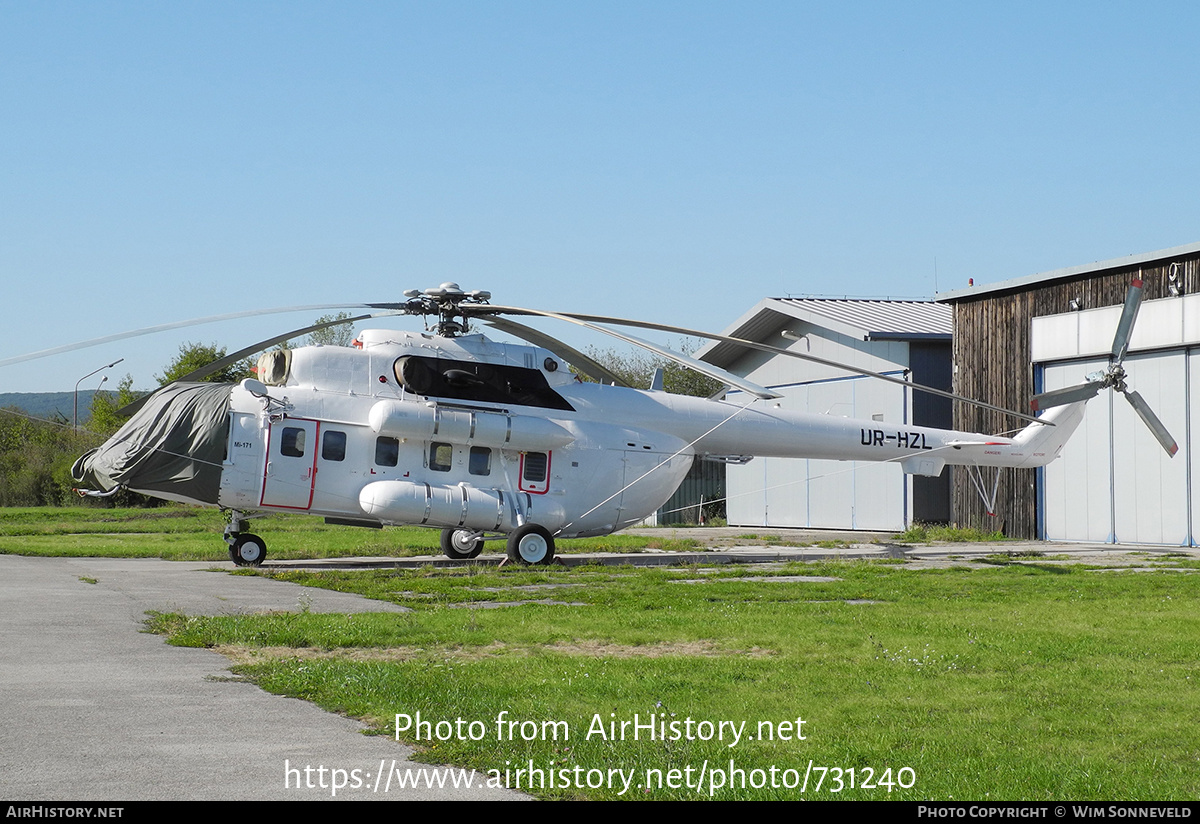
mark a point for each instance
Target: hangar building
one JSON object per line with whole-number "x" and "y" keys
{"x": 1114, "y": 482}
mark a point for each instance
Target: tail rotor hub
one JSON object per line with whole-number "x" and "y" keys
{"x": 1114, "y": 378}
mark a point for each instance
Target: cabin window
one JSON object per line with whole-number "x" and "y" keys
{"x": 291, "y": 445}
{"x": 387, "y": 451}
{"x": 441, "y": 456}
{"x": 535, "y": 467}
{"x": 333, "y": 445}
{"x": 481, "y": 461}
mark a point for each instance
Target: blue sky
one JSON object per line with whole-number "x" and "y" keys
{"x": 673, "y": 161}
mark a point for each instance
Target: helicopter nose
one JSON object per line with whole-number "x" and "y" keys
{"x": 80, "y": 471}
{"x": 172, "y": 447}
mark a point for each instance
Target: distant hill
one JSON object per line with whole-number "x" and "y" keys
{"x": 50, "y": 404}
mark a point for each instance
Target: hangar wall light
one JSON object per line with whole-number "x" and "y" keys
{"x": 1175, "y": 280}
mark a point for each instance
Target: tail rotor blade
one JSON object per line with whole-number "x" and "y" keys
{"x": 1133, "y": 302}
{"x": 1151, "y": 420}
{"x": 1062, "y": 397}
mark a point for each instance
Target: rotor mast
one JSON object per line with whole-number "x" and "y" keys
{"x": 446, "y": 302}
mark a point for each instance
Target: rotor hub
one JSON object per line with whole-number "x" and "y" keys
{"x": 1116, "y": 378}
{"x": 447, "y": 302}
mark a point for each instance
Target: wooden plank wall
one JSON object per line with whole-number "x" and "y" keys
{"x": 992, "y": 363}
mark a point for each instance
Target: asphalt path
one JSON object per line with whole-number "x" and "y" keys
{"x": 96, "y": 709}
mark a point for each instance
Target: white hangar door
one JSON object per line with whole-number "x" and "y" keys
{"x": 1114, "y": 482}
{"x": 1077, "y": 488}
{"x": 1151, "y": 488}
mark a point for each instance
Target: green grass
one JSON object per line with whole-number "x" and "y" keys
{"x": 929, "y": 533}
{"x": 1002, "y": 558}
{"x": 778, "y": 540}
{"x": 772, "y": 540}
{"x": 181, "y": 533}
{"x": 1021, "y": 681}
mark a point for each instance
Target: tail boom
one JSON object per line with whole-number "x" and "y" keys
{"x": 920, "y": 450}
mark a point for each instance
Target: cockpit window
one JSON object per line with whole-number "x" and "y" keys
{"x": 474, "y": 381}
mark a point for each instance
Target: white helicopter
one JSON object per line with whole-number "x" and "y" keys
{"x": 487, "y": 440}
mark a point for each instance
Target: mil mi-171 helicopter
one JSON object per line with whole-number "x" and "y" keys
{"x": 486, "y": 440}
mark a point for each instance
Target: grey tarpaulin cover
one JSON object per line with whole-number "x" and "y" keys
{"x": 174, "y": 444}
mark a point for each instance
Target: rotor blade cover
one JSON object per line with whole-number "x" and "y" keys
{"x": 175, "y": 444}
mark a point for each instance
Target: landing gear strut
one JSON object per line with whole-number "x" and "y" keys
{"x": 245, "y": 549}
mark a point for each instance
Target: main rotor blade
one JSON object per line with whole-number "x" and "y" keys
{"x": 714, "y": 372}
{"x": 1151, "y": 420}
{"x": 1133, "y": 302}
{"x": 762, "y": 347}
{"x": 183, "y": 324}
{"x": 1062, "y": 397}
{"x": 571, "y": 355}
{"x": 217, "y": 365}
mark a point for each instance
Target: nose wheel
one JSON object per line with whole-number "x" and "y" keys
{"x": 531, "y": 544}
{"x": 461, "y": 544}
{"x": 248, "y": 550}
{"x": 245, "y": 549}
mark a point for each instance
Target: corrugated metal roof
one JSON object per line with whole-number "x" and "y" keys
{"x": 1069, "y": 272}
{"x": 861, "y": 319}
{"x": 878, "y": 319}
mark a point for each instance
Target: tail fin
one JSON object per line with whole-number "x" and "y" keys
{"x": 1043, "y": 443}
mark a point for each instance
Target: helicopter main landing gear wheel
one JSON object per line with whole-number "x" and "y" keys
{"x": 461, "y": 544}
{"x": 531, "y": 544}
{"x": 248, "y": 550}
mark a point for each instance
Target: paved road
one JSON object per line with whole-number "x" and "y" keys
{"x": 95, "y": 709}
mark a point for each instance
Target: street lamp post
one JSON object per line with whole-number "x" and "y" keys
{"x": 75, "y": 413}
